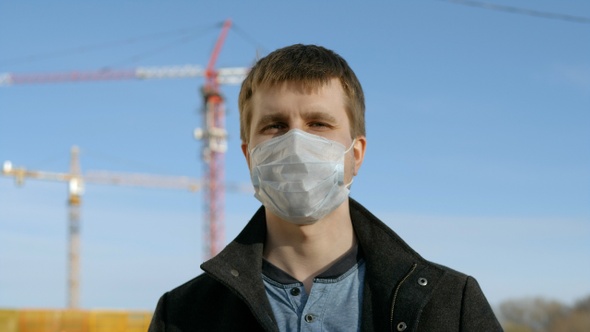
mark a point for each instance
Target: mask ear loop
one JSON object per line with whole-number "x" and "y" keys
{"x": 254, "y": 174}
{"x": 340, "y": 168}
{"x": 349, "y": 184}
{"x": 249, "y": 155}
{"x": 350, "y": 147}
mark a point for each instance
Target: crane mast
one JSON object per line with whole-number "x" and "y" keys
{"x": 214, "y": 148}
{"x": 75, "y": 190}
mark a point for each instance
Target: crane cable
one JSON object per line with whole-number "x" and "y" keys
{"x": 106, "y": 45}
{"x": 522, "y": 11}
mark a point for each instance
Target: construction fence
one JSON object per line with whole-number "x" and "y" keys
{"x": 47, "y": 320}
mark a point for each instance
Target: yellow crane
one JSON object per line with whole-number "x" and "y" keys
{"x": 76, "y": 181}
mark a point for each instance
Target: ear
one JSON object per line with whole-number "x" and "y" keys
{"x": 246, "y": 153}
{"x": 359, "y": 148}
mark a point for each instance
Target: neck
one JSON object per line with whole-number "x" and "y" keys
{"x": 304, "y": 251}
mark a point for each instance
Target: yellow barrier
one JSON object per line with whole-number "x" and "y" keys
{"x": 8, "y": 320}
{"x": 45, "y": 320}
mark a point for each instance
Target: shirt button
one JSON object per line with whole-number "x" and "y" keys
{"x": 309, "y": 318}
{"x": 295, "y": 291}
{"x": 402, "y": 326}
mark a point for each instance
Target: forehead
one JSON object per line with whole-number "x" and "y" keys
{"x": 295, "y": 96}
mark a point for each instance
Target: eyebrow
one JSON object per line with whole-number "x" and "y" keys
{"x": 318, "y": 115}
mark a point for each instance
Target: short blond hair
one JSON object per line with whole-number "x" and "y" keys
{"x": 309, "y": 65}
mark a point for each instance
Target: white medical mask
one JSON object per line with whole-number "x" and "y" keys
{"x": 299, "y": 176}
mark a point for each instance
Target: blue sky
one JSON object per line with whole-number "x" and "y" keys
{"x": 478, "y": 126}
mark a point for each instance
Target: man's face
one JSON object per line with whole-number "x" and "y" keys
{"x": 322, "y": 112}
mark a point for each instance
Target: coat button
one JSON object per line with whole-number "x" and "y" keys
{"x": 308, "y": 318}
{"x": 402, "y": 326}
{"x": 234, "y": 272}
{"x": 422, "y": 281}
{"x": 295, "y": 291}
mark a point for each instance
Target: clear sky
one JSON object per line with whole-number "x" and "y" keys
{"x": 478, "y": 124}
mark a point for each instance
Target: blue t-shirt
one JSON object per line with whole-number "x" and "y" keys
{"x": 333, "y": 304}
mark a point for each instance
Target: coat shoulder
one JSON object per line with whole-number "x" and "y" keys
{"x": 457, "y": 301}
{"x": 193, "y": 289}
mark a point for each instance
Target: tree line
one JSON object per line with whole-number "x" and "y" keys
{"x": 541, "y": 315}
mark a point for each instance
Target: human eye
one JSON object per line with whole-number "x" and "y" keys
{"x": 320, "y": 125}
{"x": 320, "y": 121}
{"x": 273, "y": 128}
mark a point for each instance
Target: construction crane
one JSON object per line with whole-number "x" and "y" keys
{"x": 213, "y": 136}
{"x": 76, "y": 182}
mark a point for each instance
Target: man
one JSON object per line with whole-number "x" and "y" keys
{"x": 311, "y": 258}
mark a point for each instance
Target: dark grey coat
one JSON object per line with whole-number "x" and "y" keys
{"x": 402, "y": 291}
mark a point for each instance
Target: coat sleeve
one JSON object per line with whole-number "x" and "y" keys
{"x": 476, "y": 313}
